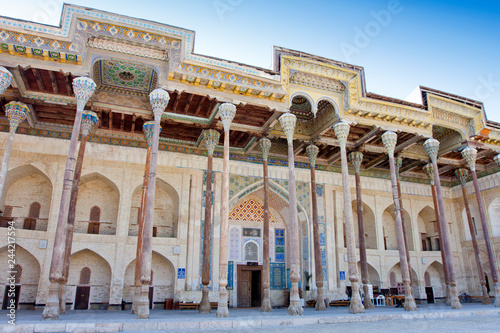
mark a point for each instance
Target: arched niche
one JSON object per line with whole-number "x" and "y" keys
{"x": 395, "y": 273}
{"x": 435, "y": 275}
{"x": 476, "y": 223}
{"x": 163, "y": 279}
{"x": 369, "y": 225}
{"x": 24, "y": 186}
{"x": 428, "y": 229}
{"x": 29, "y": 277}
{"x": 100, "y": 276}
{"x": 389, "y": 229}
{"x": 494, "y": 214}
{"x": 373, "y": 275}
{"x": 166, "y": 211}
{"x": 97, "y": 192}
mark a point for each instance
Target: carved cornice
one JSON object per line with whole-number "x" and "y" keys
{"x": 461, "y": 117}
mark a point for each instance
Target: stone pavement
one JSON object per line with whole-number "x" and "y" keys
{"x": 116, "y": 321}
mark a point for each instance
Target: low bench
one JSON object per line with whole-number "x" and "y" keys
{"x": 196, "y": 306}
{"x": 340, "y": 303}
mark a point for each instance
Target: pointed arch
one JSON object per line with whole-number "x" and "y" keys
{"x": 428, "y": 229}
{"x": 389, "y": 227}
{"x": 434, "y": 277}
{"x": 26, "y": 186}
{"x": 163, "y": 282}
{"x": 97, "y": 190}
{"x": 494, "y": 214}
{"x": 369, "y": 225}
{"x": 166, "y": 214}
{"x": 28, "y": 273}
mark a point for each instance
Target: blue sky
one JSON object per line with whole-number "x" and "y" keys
{"x": 452, "y": 46}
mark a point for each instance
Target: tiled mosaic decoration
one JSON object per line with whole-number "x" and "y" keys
{"x": 278, "y": 276}
{"x": 250, "y": 210}
{"x": 238, "y": 183}
{"x": 279, "y": 245}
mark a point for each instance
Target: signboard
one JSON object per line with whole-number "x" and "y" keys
{"x": 342, "y": 275}
{"x": 181, "y": 273}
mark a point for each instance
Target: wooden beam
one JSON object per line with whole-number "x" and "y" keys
{"x": 300, "y": 148}
{"x": 200, "y": 103}
{"x": 53, "y": 80}
{"x": 110, "y": 124}
{"x": 412, "y": 166}
{"x": 134, "y": 117}
{"x": 69, "y": 88}
{"x": 407, "y": 143}
{"x": 367, "y": 137}
{"x": 24, "y": 77}
{"x": 188, "y": 103}
{"x": 176, "y": 101}
{"x": 376, "y": 162}
{"x": 122, "y": 122}
{"x": 38, "y": 78}
{"x": 399, "y": 148}
{"x": 334, "y": 158}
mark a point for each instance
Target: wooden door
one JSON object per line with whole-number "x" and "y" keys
{"x": 82, "y": 297}
{"x": 93, "y": 228}
{"x": 430, "y": 294}
{"x": 7, "y": 299}
{"x": 244, "y": 289}
{"x": 150, "y": 295}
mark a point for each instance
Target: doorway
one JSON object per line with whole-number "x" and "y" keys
{"x": 430, "y": 295}
{"x": 150, "y": 296}
{"x": 12, "y": 298}
{"x": 82, "y": 297}
{"x": 249, "y": 286}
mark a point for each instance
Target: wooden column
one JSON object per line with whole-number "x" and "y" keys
{"x": 432, "y": 148}
{"x": 287, "y": 122}
{"x": 470, "y": 155}
{"x": 430, "y": 172}
{"x": 397, "y": 163}
{"x": 89, "y": 120}
{"x": 356, "y": 159}
{"x": 16, "y": 111}
{"x": 342, "y": 131}
{"x": 148, "y": 130}
{"x": 312, "y": 153}
{"x": 462, "y": 175}
{"x": 159, "y": 99}
{"x": 389, "y": 139}
{"x": 83, "y": 88}
{"x": 265, "y": 146}
{"x": 227, "y": 112}
{"x": 211, "y": 139}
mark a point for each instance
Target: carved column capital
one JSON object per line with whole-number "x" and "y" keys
{"x": 470, "y": 155}
{"x": 462, "y": 175}
{"x": 432, "y": 147}
{"x": 356, "y": 159}
{"x": 265, "y": 146}
{"x": 287, "y": 122}
{"x": 312, "y": 152}
{"x": 210, "y": 140}
{"x": 389, "y": 139}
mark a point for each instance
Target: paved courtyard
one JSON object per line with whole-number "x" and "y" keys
{"x": 428, "y": 318}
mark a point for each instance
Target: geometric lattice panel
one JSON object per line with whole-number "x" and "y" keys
{"x": 250, "y": 210}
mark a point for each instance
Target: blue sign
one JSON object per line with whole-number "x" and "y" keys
{"x": 342, "y": 275}
{"x": 181, "y": 273}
